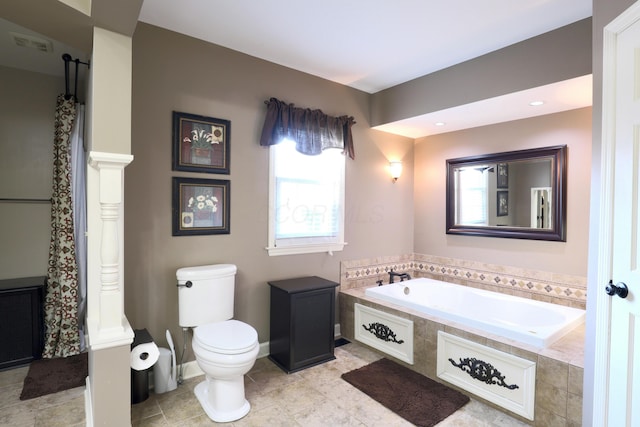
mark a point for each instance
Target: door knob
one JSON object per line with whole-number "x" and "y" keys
{"x": 619, "y": 289}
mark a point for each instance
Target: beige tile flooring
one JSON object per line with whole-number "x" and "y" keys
{"x": 315, "y": 396}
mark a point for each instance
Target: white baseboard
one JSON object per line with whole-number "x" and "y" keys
{"x": 264, "y": 350}
{"x": 88, "y": 409}
{"x": 191, "y": 369}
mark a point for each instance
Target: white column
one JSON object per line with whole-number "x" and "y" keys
{"x": 106, "y": 319}
{"x": 107, "y": 396}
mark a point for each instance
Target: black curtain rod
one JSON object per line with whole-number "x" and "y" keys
{"x": 67, "y": 58}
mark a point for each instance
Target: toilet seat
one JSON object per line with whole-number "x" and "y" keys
{"x": 228, "y": 337}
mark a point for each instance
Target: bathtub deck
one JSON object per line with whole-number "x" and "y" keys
{"x": 559, "y": 368}
{"x": 568, "y": 349}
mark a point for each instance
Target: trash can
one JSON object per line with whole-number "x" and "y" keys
{"x": 162, "y": 372}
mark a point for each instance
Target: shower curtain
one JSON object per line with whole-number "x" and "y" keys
{"x": 63, "y": 295}
{"x": 79, "y": 203}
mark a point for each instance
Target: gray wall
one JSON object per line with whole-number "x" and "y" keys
{"x": 27, "y": 108}
{"x": 175, "y": 72}
{"x": 555, "y": 56}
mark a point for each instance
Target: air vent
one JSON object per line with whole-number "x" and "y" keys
{"x": 23, "y": 40}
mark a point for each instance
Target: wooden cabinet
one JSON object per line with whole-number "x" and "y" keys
{"x": 21, "y": 320}
{"x": 302, "y": 322}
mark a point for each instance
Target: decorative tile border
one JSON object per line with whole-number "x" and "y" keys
{"x": 365, "y": 272}
{"x": 550, "y": 287}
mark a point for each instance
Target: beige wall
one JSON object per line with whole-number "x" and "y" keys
{"x": 109, "y": 118}
{"x": 174, "y": 72}
{"x": 572, "y": 128}
{"x": 27, "y": 108}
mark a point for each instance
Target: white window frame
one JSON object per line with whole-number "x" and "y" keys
{"x": 480, "y": 189}
{"x": 303, "y": 245}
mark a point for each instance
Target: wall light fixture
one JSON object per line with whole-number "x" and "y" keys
{"x": 396, "y": 170}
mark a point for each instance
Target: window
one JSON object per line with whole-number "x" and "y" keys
{"x": 472, "y": 188}
{"x": 306, "y": 200}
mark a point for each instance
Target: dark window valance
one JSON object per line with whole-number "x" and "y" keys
{"x": 312, "y": 130}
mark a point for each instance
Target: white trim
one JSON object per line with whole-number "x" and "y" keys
{"x": 401, "y": 349}
{"x": 115, "y": 159}
{"x": 101, "y": 339}
{"x": 601, "y": 392}
{"x": 190, "y": 370}
{"x": 516, "y": 370}
{"x": 306, "y": 249}
{"x": 298, "y": 246}
{"x": 106, "y": 322}
{"x": 88, "y": 408}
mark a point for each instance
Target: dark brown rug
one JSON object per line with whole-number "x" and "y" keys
{"x": 48, "y": 376}
{"x": 414, "y": 397}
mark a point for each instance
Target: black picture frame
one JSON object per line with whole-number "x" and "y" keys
{"x": 502, "y": 177}
{"x": 502, "y": 203}
{"x": 200, "y": 144}
{"x": 200, "y": 206}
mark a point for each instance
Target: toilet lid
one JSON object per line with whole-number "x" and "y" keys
{"x": 228, "y": 337}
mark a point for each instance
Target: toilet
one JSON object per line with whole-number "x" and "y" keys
{"x": 225, "y": 349}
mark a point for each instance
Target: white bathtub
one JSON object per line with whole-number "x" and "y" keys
{"x": 528, "y": 321}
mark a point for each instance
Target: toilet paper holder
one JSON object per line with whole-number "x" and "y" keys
{"x": 144, "y": 352}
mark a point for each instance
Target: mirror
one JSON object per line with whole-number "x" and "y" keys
{"x": 517, "y": 194}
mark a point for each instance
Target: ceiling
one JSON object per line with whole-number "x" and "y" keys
{"x": 366, "y": 44}
{"x": 31, "y": 57}
{"x": 372, "y": 45}
{"x": 369, "y": 45}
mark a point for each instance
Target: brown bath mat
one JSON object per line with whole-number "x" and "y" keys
{"x": 48, "y": 376}
{"x": 414, "y": 397}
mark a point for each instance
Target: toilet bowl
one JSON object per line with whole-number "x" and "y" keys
{"x": 225, "y": 349}
{"x": 225, "y": 352}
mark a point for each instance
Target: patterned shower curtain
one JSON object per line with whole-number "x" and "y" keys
{"x": 62, "y": 336}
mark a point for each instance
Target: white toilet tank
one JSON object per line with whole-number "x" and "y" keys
{"x": 209, "y": 298}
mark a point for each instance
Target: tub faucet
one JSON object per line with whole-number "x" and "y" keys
{"x": 402, "y": 276}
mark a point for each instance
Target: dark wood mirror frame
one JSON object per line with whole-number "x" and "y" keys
{"x": 558, "y": 180}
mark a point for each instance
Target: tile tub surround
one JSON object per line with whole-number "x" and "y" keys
{"x": 555, "y": 288}
{"x": 560, "y": 367}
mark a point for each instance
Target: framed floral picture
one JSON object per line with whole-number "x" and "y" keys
{"x": 200, "y": 144}
{"x": 200, "y": 206}
{"x": 503, "y": 175}
{"x": 502, "y": 203}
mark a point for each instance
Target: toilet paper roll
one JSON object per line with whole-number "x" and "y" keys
{"x": 144, "y": 355}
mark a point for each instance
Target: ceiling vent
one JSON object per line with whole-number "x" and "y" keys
{"x": 23, "y": 40}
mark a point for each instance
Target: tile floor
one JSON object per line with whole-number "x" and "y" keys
{"x": 315, "y": 396}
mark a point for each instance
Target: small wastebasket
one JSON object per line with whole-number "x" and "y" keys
{"x": 162, "y": 379}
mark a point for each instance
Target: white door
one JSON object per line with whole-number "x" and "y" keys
{"x": 541, "y": 207}
{"x": 621, "y": 154}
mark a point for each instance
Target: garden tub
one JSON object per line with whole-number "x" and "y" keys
{"x": 528, "y": 321}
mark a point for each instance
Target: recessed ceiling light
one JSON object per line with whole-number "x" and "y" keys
{"x": 536, "y": 103}
{"x": 440, "y": 123}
